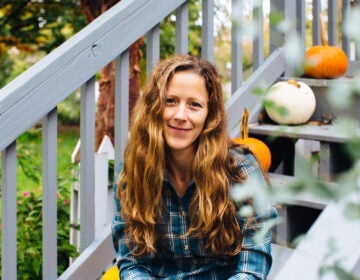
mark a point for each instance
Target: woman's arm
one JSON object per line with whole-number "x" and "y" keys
{"x": 255, "y": 260}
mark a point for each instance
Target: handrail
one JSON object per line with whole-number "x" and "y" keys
{"x": 95, "y": 258}
{"x": 272, "y": 68}
{"x": 91, "y": 49}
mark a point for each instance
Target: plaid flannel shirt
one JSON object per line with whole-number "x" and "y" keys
{"x": 185, "y": 257}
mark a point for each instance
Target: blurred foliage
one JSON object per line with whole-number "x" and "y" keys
{"x": 38, "y": 25}
{"x": 343, "y": 188}
{"x": 33, "y": 27}
{"x": 69, "y": 110}
{"x": 6, "y": 66}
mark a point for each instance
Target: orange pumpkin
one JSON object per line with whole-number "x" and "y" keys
{"x": 325, "y": 62}
{"x": 259, "y": 148}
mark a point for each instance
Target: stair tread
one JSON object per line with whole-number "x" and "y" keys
{"x": 325, "y": 133}
{"x": 329, "y": 229}
{"x": 306, "y": 199}
{"x": 312, "y": 82}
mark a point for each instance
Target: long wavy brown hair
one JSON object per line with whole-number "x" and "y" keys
{"x": 140, "y": 183}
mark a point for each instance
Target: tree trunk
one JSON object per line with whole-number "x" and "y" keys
{"x": 105, "y": 104}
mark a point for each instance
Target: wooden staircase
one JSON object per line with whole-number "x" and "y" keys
{"x": 306, "y": 213}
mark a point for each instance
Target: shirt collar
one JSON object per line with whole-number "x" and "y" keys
{"x": 167, "y": 179}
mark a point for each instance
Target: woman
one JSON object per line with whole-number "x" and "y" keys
{"x": 175, "y": 218}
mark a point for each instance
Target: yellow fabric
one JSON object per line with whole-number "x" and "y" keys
{"x": 111, "y": 274}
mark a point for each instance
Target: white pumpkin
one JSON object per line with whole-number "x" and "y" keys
{"x": 290, "y": 102}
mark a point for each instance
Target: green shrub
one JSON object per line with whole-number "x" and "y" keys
{"x": 29, "y": 233}
{"x": 6, "y": 65}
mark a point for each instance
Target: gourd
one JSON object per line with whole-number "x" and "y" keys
{"x": 290, "y": 102}
{"x": 256, "y": 146}
{"x": 324, "y": 61}
{"x": 111, "y": 274}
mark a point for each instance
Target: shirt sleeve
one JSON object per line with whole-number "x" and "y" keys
{"x": 129, "y": 267}
{"x": 255, "y": 260}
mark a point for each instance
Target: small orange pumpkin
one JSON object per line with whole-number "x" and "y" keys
{"x": 259, "y": 148}
{"x": 325, "y": 62}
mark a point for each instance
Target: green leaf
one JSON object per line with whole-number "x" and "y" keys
{"x": 352, "y": 211}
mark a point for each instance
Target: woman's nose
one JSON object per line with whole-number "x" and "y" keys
{"x": 180, "y": 112}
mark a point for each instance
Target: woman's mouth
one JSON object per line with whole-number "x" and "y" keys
{"x": 179, "y": 128}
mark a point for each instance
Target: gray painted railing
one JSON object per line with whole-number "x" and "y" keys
{"x": 35, "y": 94}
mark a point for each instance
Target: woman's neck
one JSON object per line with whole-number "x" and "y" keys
{"x": 179, "y": 168}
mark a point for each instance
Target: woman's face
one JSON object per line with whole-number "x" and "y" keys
{"x": 185, "y": 111}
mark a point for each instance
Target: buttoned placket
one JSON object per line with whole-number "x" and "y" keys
{"x": 184, "y": 238}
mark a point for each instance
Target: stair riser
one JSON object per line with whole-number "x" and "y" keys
{"x": 325, "y": 109}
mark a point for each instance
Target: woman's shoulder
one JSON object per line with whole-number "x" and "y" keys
{"x": 242, "y": 157}
{"x": 246, "y": 163}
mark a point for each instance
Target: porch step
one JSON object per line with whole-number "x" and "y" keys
{"x": 298, "y": 211}
{"x": 279, "y": 182}
{"x": 320, "y": 126}
{"x": 323, "y": 133}
{"x": 321, "y": 90}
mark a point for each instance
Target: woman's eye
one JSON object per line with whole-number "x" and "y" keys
{"x": 170, "y": 101}
{"x": 195, "y": 104}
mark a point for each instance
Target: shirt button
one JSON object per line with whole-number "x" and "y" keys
{"x": 186, "y": 247}
{"x": 183, "y": 213}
